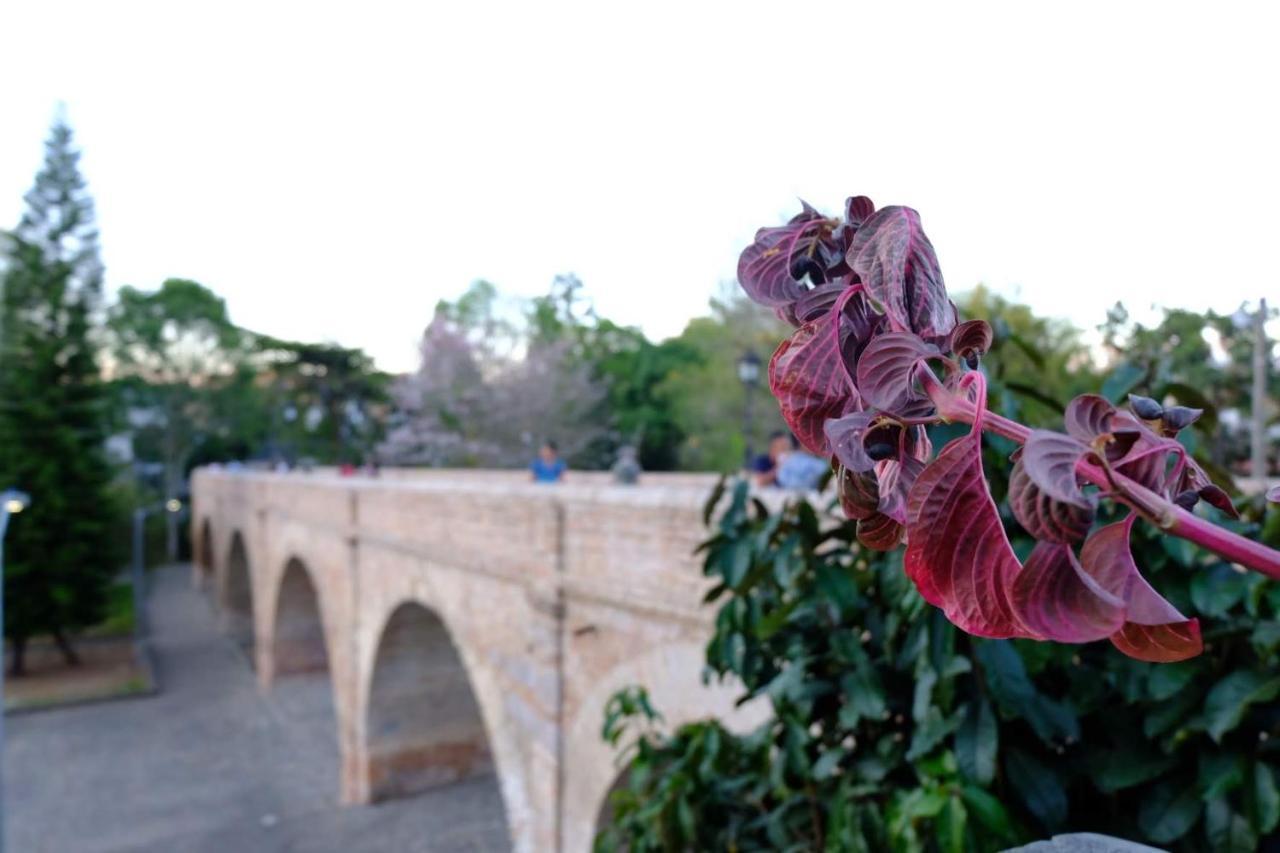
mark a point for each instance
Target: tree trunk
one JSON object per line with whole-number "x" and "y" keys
{"x": 18, "y": 664}
{"x": 64, "y": 646}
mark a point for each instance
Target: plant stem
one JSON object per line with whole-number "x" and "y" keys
{"x": 1157, "y": 509}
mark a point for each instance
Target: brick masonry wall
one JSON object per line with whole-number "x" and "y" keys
{"x": 547, "y": 599}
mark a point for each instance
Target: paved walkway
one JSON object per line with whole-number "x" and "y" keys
{"x": 212, "y": 765}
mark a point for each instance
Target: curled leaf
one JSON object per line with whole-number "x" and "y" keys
{"x": 895, "y": 260}
{"x": 1088, "y": 416}
{"x": 886, "y": 370}
{"x": 1154, "y": 630}
{"x": 859, "y": 493}
{"x": 773, "y": 268}
{"x": 808, "y": 379}
{"x": 957, "y": 553}
{"x": 1055, "y": 599}
{"x": 1042, "y": 516}
{"x": 1050, "y": 460}
{"x": 879, "y": 532}
{"x": 846, "y": 437}
{"x": 970, "y": 341}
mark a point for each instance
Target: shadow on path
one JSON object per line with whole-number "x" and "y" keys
{"x": 211, "y": 764}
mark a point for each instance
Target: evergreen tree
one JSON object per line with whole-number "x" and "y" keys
{"x": 62, "y": 555}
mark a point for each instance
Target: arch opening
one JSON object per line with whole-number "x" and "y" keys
{"x": 237, "y": 596}
{"x": 204, "y": 558}
{"x": 298, "y": 644}
{"x": 425, "y": 728}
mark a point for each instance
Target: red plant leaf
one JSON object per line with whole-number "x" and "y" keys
{"x": 886, "y": 371}
{"x": 971, "y": 339}
{"x": 957, "y": 553}
{"x": 859, "y": 493}
{"x": 896, "y": 477}
{"x": 879, "y": 532}
{"x": 895, "y": 260}
{"x": 1057, "y": 600}
{"x": 1088, "y": 416}
{"x": 808, "y": 379}
{"x": 846, "y": 435}
{"x": 1042, "y": 516}
{"x": 1050, "y": 460}
{"x": 767, "y": 268}
{"x": 1154, "y": 630}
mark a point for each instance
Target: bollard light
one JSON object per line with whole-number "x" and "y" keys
{"x": 173, "y": 505}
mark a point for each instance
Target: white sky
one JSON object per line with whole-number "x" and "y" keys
{"x": 334, "y": 169}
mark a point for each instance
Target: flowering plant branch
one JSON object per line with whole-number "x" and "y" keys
{"x": 879, "y": 354}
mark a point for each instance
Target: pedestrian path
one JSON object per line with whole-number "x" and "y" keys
{"x": 211, "y": 764}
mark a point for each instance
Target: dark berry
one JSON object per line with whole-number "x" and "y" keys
{"x": 881, "y": 450}
{"x": 1145, "y": 407}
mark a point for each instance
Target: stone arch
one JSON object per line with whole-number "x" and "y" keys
{"x": 424, "y": 726}
{"x": 672, "y": 675}
{"x": 236, "y": 594}
{"x": 298, "y": 640}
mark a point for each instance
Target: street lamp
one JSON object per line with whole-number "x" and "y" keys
{"x": 12, "y": 502}
{"x": 749, "y": 375}
{"x": 138, "y": 570}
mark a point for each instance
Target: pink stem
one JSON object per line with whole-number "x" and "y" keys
{"x": 1155, "y": 508}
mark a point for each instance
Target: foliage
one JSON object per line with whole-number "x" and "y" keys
{"x": 61, "y": 554}
{"x": 856, "y": 381}
{"x": 893, "y": 730}
{"x": 476, "y": 400}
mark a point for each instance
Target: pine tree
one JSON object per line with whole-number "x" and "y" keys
{"x": 62, "y": 553}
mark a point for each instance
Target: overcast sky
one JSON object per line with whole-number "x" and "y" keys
{"x": 333, "y": 170}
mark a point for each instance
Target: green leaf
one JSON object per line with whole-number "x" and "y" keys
{"x": 1039, "y": 788}
{"x": 1266, "y": 799}
{"x": 1216, "y": 590}
{"x": 951, "y": 826}
{"x": 1227, "y": 831}
{"x": 931, "y": 732}
{"x": 709, "y": 508}
{"x": 1169, "y": 811}
{"x": 827, "y": 763}
{"x": 987, "y": 810}
{"x": 1006, "y": 676}
{"x": 1266, "y": 637}
{"x": 1116, "y": 769}
{"x": 864, "y": 696}
{"x": 1220, "y": 773}
{"x": 923, "y": 698}
{"x": 977, "y": 742}
{"x": 1121, "y": 381}
{"x": 1170, "y": 679}
{"x": 1231, "y": 697}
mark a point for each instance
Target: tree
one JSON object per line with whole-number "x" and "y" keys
{"x": 52, "y": 418}
{"x": 175, "y": 340}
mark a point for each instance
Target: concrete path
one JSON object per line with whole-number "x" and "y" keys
{"x": 213, "y": 765}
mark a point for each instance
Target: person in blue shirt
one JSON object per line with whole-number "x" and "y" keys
{"x": 548, "y": 467}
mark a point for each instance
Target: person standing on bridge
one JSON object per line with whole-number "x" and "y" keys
{"x": 548, "y": 467}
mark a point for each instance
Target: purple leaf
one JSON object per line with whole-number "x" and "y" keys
{"x": 1050, "y": 460}
{"x": 957, "y": 553}
{"x": 1042, "y": 516}
{"x": 818, "y": 301}
{"x": 970, "y": 341}
{"x": 1273, "y": 494}
{"x": 896, "y": 477}
{"x": 845, "y": 437}
{"x": 886, "y": 370}
{"x": 1056, "y": 600}
{"x": 808, "y": 378}
{"x": 895, "y": 260}
{"x": 765, "y": 268}
{"x": 859, "y": 493}
{"x": 1154, "y": 630}
{"x": 879, "y": 532}
{"x": 1088, "y": 416}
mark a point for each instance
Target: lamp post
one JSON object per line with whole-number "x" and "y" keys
{"x": 749, "y": 375}
{"x": 138, "y": 569}
{"x": 12, "y": 502}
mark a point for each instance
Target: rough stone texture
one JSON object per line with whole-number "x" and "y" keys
{"x": 531, "y": 606}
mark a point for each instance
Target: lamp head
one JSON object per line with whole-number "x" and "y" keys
{"x": 173, "y": 505}
{"x": 14, "y": 501}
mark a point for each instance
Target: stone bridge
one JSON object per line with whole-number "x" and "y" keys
{"x": 470, "y": 622}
